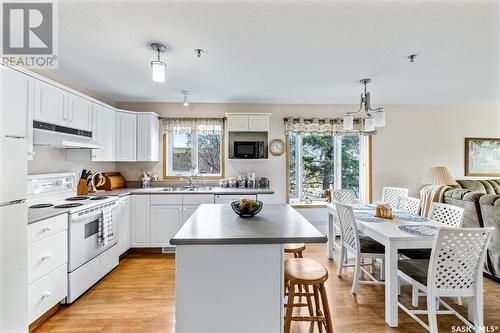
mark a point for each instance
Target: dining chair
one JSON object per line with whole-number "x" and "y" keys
{"x": 453, "y": 270}
{"x": 345, "y": 196}
{"x": 451, "y": 216}
{"x": 409, "y": 204}
{"x": 362, "y": 246}
{"x": 392, "y": 195}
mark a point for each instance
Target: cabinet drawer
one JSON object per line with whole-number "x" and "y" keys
{"x": 46, "y": 255}
{"x": 46, "y": 228}
{"x": 47, "y": 292}
{"x": 197, "y": 199}
{"x": 166, "y": 199}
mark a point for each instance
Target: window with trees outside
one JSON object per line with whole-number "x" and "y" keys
{"x": 193, "y": 147}
{"x": 318, "y": 162}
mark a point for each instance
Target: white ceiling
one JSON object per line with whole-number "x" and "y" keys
{"x": 285, "y": 52}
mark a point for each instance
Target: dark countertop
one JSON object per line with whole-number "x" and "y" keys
{"x": 39, "y": 214}
{"x": 218, "y": 224}
{"x": 159, "y": 190}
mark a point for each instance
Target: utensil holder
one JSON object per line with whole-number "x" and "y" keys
{"x": 81, "y": 188}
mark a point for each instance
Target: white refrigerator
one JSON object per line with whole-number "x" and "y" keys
{"x": 14, "y": 105}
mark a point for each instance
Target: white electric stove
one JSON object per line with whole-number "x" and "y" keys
{"x": 88, "y": 261}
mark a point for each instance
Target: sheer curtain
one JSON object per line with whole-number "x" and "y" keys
{"x": 190, "y": 125}
{"x": 326, "y": 126}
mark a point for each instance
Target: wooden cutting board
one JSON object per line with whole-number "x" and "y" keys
{"x": 113, "y": 181}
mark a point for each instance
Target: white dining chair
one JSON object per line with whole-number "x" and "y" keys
{"x": 451, "y": 216}
{"x": 392, "y": 195}
{"x": 453, "y": 270}
{"x": 345, "y": 196}
{"x": 409, "y": 204}
{"x": 363, "y": 247}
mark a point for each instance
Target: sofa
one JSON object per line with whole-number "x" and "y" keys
{"x": 481, "y": 201}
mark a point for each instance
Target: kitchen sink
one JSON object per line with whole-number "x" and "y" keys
{"x": 184, "y": 189}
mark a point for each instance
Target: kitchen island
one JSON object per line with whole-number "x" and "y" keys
{"x": 229, "y": 270}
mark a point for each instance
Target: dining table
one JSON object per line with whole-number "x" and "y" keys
{"x": 387, "y": 233}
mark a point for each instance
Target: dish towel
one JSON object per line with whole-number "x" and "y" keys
{"x": 430, "y": 194}
{"x": 105, "y": 231}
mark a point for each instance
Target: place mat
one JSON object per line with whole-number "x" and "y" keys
{"x": 405, "y": 216}
{"x": 420, "y": 230}
{"x": 363, "y": 207}
{"x": 366, "y": 217}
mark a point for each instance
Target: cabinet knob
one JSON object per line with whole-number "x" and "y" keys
{"x": 46, "y": 294}
{"x": 46, "y": 257}
{"x": 46, "y": 229}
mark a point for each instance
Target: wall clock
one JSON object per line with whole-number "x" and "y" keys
{"x": 277, "y": 147}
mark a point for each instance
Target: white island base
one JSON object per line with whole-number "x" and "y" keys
{"x": 229, "y": 288}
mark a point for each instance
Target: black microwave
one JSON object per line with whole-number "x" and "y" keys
{"x": 249, "y": 149}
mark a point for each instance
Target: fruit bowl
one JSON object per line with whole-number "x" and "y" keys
{"x": 248, "y": 208}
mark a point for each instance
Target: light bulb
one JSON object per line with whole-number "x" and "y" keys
{"x": 185, "y": 103}
{"x": 369, "y": 124}
{"x": 348, "y": 122}
{"x": 379, "y": 118}
{"x": 158, "y": 71}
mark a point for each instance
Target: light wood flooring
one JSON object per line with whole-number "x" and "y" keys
{"x": 139, "y": 296}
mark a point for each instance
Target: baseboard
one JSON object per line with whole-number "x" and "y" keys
{"x": 43, "y": 318}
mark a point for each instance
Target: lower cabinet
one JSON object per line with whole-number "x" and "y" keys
{"x": 124, "y": 226}
{"x": 140, "y": 221}
{"x": 187, "y": 211}
{"x": 166, "y": 220}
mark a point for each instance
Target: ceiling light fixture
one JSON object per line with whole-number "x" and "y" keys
{"x": 373, "y": 117}
{"x": 200, "y": 52}
{"x": 157, "y": 66}
{"x": 412, "y": 57}
{"x": 185, "y": 101}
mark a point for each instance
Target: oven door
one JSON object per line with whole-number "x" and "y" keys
{"x": 83, "y": 245}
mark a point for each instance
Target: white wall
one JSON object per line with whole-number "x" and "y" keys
{"x": 414, "y": 139}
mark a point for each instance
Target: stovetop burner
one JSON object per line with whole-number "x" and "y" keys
{"x": 101, "y": 197}
{"x": 47, "y": 205}
{"x": 70, "y": 205}
{"x": 77, "y": 198}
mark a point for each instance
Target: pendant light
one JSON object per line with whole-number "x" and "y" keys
{"x": 157, "y": 66}
{"x": 374, "y": 117}
{"x": 185, "y": 100}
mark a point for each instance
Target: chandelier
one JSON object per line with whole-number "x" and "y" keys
{"x": 374, "y": 117}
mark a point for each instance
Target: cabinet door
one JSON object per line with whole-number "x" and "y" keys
{"x": 17, "y": 107}
{"x": 79, "y": 113}
{"x": 166, "y": 220}
{"x": 187, "y": 211}
{"x": 258, "y": 123}
{"x": 140, "y": 221}
{"x": 125, "y": 225}
{"x": 50, "y": 104}
{"x": 103, "y": 131}
{"x": 237, "y": 122}
{"x": 148, "y": 138}
{"x": 125, "y": 136}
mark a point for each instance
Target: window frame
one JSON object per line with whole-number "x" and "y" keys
{"x": 365, "y": 167}
{"x": 195, "y": 153}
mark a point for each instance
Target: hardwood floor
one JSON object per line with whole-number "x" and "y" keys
{"x": 139, "y": 296}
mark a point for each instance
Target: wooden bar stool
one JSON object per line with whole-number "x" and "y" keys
{"x": 296, "y": 249}
{"x": 306, "y": 272}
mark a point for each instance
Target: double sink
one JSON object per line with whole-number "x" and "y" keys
{"x": 185, "y": 189}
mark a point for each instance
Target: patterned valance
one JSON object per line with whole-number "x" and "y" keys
{"x": 190, "y": 125}
{"x": 327, "y": 126}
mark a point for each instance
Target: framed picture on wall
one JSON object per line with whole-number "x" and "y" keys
{"x": 482, "y": 157}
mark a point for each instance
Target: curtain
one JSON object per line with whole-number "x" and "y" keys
{"x": 325, "y": 126}
{"x": 190, "y": 125}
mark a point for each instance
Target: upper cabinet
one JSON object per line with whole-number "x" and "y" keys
{"x": 103, "y": 131}
{"x": 125, "y": 135}
{"x": 148, "y": 137}
{"x": 59, "y": 107}
{"x": 50, "y": 104}
{"x": 247, "y": 122}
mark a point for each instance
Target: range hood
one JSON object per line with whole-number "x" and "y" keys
{"x": 55, "y": 136}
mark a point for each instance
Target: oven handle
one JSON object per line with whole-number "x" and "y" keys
{"x": 89, "y": 217}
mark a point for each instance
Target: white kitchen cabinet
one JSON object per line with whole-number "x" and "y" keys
{"x": 248, "y": 122}
{"x": 267, "y": 198}
{"x": 187, "y": 211}
{"x": 125, "y": 135}
{"x": 17, "y": 106}
{"x": 50, "y": 104}
{"x": 258, "y": 123}
{"x": 166, "y": 220}
{"x": 79, "y": 112}
{"x": 103, "y": 131}
{"x": 148, "y": 137}
{"x": 124, "y": 239}
{"x": 140, "y": 221}
{"x": 228, "y": 198}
